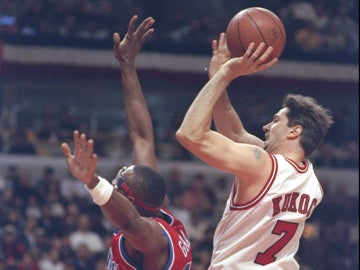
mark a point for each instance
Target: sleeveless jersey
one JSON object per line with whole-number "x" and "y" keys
{"x": 264, "y": 233}
{"x": 179, "y": 247}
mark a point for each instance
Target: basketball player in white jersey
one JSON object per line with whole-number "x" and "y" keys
{"x": 275, "y": 188}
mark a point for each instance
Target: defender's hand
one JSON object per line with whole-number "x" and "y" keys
{"x": 81, "y": 164}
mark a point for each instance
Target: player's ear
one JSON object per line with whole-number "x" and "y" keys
{"x": 295, "y": 131}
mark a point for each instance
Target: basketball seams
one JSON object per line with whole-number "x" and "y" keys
{"x": 258, "y": 30}
{"x": 256, "y": 26}
{"x": 279, "y": 27}
{"x": 239, "y": 36}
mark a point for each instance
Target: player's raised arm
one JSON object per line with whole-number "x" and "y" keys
{"x": 146, "y": 235}
{"x": 227, "y": 121}
{"x": 120, "y": 211}
{"x": 194, "y": 132}
{"x": 138, "y": 120}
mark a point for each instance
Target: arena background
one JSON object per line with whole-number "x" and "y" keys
{"x": 49, "y": 69}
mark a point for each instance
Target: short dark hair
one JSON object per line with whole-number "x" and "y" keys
{"x": 149, "y": 186}
{"x": 314, "y": 119}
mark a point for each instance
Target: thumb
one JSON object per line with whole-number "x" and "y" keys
{"x": 66, "y": 149}
{"x": 116, "y": 39}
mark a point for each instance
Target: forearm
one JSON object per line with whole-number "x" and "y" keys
{"x": 115, "y": 206}
{"x": 229, "y": 124}
{"x": 120, "y": 211}
{"x": 138, "y": 119}
{"x": 227, "y": 121}
{"x": 197, "y": 120}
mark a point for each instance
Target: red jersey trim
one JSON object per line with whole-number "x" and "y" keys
{"x": 298, "y": 168}
{"x": 261, "y": 194}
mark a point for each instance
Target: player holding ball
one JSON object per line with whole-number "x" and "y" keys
{"x": 275, "y": 189}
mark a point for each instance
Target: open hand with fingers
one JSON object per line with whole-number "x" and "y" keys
{"x": 253, "y": 60}
{"x": 220, "y": 54}
{"x": 125, "y": 50}
{"x": 82, "y": 163}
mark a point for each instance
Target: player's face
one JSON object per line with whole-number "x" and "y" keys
{"x": 121, "y": 183}
{"x": 276, "y": 131}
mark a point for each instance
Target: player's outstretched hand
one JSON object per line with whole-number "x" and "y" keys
{"x": 125, "y": 50}
{"x": 253, "y": 60}
{"x": 82, "y": 163}
{"x": 220, "y": 54}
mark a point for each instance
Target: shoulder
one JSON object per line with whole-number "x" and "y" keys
{"x": 255, "y": 166}
{"x": 258, "y": 179}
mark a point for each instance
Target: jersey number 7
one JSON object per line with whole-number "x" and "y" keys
{"x": 280, "y": 227}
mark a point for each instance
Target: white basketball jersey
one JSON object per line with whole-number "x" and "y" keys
{"x": 264, "y": 233}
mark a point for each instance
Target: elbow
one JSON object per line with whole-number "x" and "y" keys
{"x": 183, "y": 137}
{"x": 180, "y": 136}
{"x": 187, "y": 139}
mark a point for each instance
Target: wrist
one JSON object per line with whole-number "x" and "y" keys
{"x": 127, "y": 66}
{"x": 101, "y": 192}
{"x": 93, "y": 182}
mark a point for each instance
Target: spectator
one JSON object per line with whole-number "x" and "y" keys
{"x": 5, "y": 184}
{"x": 73, "y": 190}
{"x": 28, "y": 262}
{"x": 197, "y": 226}
{"x": 71, "y": 218}
{"x": 345, "y": 24}
{"x": 52, "y": 217}
{"x": 47, "y": 129}
{"x": 174, "y": 183}
{"x": 42, "y": 240}
{"x": 24, "y": 190}
{"x": 14, "y": 217}
{"x": 52, "y": 261}
{"x": 33, "y": 209}
{"x": 47, "y": 178}
{"x": 84, "y": 236}
{"x": 21, "y": 144}
{"x": 29, "y": 232}
{"x": 6, "y": 205}
{"x": 82, "y": 260}
{"x": 180, "y": 209}
{"x": 11, "y": 246}
{"x": 12, "y": 176}
{"x": 68, "y": 121}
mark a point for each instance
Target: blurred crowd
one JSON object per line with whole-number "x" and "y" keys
{"x": 52, "y": 224}
{"x": 318, "y": 30}
{"x": 42, "y": 133}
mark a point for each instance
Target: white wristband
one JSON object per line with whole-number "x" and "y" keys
{"x": 101, "y": 193}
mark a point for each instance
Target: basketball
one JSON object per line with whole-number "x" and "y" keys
{"x": 255, "y": 24}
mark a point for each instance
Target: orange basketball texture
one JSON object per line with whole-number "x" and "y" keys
{"x": 257, "y": 25}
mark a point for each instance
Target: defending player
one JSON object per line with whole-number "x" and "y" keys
{"x": 147, "y": 236}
